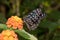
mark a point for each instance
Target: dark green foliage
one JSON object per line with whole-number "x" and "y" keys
{"x": 2, "y": 18}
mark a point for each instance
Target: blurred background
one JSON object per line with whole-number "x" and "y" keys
{"x": 49, "y": 27}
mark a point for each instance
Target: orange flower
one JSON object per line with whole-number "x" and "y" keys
{"x": 1, "y": 37}
{"x": 15, "y": 22}
{"x": 8, "y": 35}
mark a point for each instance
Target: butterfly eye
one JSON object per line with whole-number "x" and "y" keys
{"x": 41, "y": 15}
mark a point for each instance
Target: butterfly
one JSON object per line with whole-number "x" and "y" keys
{"x": 33, "y": 18}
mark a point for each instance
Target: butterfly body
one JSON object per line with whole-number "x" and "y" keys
{"x": 33, "y": 18}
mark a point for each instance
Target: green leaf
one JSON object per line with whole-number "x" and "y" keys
{"x": 25, "y": 34}
{"x": 22, "y": 33}
{"x": 3, "y": 26}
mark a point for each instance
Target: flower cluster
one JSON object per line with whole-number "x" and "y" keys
{"x": 15, "y": 22}
{"x": 8, "y": 35}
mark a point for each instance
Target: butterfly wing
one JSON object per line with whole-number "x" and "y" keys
{"x": 33, "y": 18}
